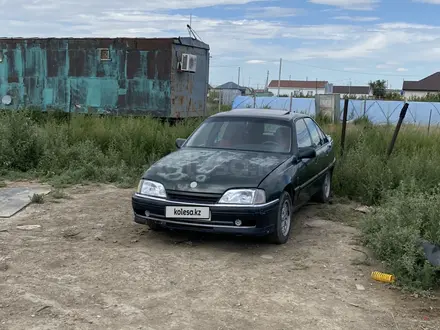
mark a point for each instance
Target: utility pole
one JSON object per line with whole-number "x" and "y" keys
{"x": 279, "y": 77}
{"x": 238, "y": 76}
{"x": 249, "y": 83}
{"x": 267, "y": 82}
{"x": 290, "y": 77}
{"x": 190, "y": 23}
{"x": 316, "y": 92}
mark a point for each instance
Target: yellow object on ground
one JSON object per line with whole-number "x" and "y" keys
{"x": 382, "y": 277}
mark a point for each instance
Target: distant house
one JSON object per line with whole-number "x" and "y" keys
{"x": 358, "y": 91}
{"x": 228, "y": 92}
{"x": 299, "y": 87}
{"x": 262, "y": 93}
{"x": 421, "y": 88}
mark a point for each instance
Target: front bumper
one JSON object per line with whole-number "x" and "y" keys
{"x": 257, "y": 220}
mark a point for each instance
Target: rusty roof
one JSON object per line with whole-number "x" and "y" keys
{"x": 298, "y": 84}
{"x": 428, "y": 84}
{"x": 352, "y": 90}
{"x": 105, "y": 42}
{"x": 230, "y": 85}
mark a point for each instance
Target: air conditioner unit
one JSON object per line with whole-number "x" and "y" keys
{"x": 189, "y": 63}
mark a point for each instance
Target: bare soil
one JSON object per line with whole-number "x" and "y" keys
{"x": 89, "y": 266}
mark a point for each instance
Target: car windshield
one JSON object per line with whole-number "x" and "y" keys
{"x": 251, "y": 134}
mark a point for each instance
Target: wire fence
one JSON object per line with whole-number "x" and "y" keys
{"x": 377, "y": 111}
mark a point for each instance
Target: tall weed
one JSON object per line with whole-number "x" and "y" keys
{"x": 396, "y": 228}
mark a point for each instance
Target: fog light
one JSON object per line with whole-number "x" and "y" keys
{"x": 238, "y": 222}
{"x": 147, "y": 213}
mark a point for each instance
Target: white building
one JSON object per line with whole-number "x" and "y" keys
{"x": 299, "y": 87}
{"x": 363, "y": 92}
{"x": 421, "y": 88}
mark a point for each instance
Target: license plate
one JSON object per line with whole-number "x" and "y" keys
{"x": 187, "y": 212}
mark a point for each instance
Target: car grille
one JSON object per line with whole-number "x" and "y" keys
{"x": 197, "y": 198}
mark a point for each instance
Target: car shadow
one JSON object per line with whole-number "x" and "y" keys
{"x": 229, "y": 242}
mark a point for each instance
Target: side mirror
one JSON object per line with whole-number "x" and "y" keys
{"x": 180, "y": 142}
{"x": 305, "y": 153}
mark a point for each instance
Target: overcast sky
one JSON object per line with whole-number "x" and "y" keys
{"x": 341, "y": 41}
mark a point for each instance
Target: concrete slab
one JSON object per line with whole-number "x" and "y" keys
{"x": 13, "y": 200}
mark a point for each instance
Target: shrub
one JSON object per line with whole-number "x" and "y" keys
{"x": 394, "y": 232}
{"x": 364, "y": 174}
{"x": 20, "y": 144}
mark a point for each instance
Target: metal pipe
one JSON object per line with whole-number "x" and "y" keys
{"x": 396, "y": 131}
{"x": 279, "y": 77}
{"x": 291, "y": 100}
{"x": 429, "y": 123}
{"x": 344, "y": 126}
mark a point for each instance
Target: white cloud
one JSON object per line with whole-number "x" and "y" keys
{"x": 320, "y": 32}
{"x": 402, "y": 25}
{"x": 356, "y": 18}
{"x": 255, "y": 62}
{"x": 273, "y": 12}
{"x": 233, "y": 42}
{"x": 151, "y": 5}
{"x": 433, "y": 2}
{"x": 387, "y": 65}
{"x": 401, "y": 70}
{"x": 348, "y": 4}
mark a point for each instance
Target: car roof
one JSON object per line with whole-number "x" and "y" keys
{"x": 260, "y": 113}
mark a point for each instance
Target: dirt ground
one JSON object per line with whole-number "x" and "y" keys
{"x": 89, "y": 266}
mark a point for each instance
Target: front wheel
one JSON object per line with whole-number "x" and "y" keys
{"x": 153, "y": 225}
{"x": 284, "y": 220}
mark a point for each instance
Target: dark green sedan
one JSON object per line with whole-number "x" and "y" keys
{"x": 245, "y": 172}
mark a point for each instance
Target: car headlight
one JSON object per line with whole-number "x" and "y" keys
{"x": 151, "y": 188}
{"x": 243, "y": 196}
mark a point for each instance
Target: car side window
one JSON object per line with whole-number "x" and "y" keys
{"x": 322, "y": 134}
{"x": 313, "y": 129}
{"x": 302, "y": 134}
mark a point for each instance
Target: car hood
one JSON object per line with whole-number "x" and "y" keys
{"x": 215, "y": 171}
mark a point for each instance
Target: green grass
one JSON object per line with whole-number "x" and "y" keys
{"x": 88, "y": 149}
{"x": 59, "y": 194}
{"x": 119, "y": 149}
{"x": 395, "y": 229}
{"x": 37, "y": 199}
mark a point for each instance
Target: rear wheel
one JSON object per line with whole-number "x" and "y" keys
{"x": 284, "y": 220}
{"x": 324, "y": 193}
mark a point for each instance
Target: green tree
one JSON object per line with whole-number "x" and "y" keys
{"x": 379, "y": 88}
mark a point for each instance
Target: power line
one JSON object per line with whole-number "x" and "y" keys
{"x": 353, "y": 71}
{"x": 224, "y": 66}
{"x": 331, "y": 69}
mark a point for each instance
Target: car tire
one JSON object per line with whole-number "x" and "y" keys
{"x": 153, "y": 225}
{"x": 324, "y": 193}
{"x": 284, "y": 220}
